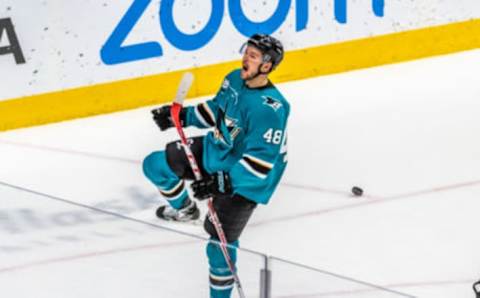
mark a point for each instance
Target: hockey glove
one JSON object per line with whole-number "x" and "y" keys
{"x": 163, "y": 118}
{"x": 216, "y": 185}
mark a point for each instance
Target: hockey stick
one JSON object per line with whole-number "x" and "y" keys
{"x": 177, "y": 106}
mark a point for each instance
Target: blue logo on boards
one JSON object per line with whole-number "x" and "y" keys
{"x": 114, "y": 52}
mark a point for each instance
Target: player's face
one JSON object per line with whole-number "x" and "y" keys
{"x": 252, "y": 58}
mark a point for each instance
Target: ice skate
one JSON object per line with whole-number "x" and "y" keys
{"x": 188, "y": 213}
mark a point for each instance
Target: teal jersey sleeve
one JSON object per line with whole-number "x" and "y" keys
{"x": 204, "y": 115}
{"x": 259, "y": 169}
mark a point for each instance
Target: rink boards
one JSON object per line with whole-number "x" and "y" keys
{"x": 95, "y": 58}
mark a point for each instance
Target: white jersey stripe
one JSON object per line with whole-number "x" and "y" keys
{"x": 209, "y": 111}
{"x": 200, "y": 117}
{"x": 259, "y": 161}
{"x": 252, "y": 170}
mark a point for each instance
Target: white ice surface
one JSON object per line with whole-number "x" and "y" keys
{"x": 407, "y": 133}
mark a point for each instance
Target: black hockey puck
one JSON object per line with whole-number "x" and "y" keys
{"x": 357, "y": 191}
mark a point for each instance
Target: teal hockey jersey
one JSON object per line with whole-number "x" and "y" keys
{"x": 249, "y": 136}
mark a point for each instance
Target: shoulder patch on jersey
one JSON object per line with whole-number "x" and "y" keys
{"x": 272, "y": 102}
{"x": 225, "y": 84}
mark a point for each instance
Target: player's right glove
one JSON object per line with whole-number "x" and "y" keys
{"x": 216, "y": 185}
{"x": 163, "y": 118}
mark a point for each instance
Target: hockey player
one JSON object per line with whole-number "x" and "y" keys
{"x": 241, "y": 160}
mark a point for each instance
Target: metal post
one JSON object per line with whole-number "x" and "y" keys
{"x": 266, "y": 280}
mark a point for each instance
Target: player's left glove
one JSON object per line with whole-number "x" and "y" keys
{"x": 163, "y": 119}
{"x": 216, "y": 185}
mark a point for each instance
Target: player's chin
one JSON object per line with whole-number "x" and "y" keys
{"x": 244, "y": 74}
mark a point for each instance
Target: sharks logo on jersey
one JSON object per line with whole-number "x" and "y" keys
{"x": 225, "y": 84}
{"x": 226, "y": 125}
{"x": 232, "y": 126}
{"x": 272, "y": 102}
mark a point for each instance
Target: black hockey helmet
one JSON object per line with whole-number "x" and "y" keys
{"x": 271, "y": 48}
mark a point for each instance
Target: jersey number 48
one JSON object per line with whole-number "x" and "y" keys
{"x": 275, "y": 137}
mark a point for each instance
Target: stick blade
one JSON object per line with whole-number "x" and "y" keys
{"x": 183, "y": 87}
